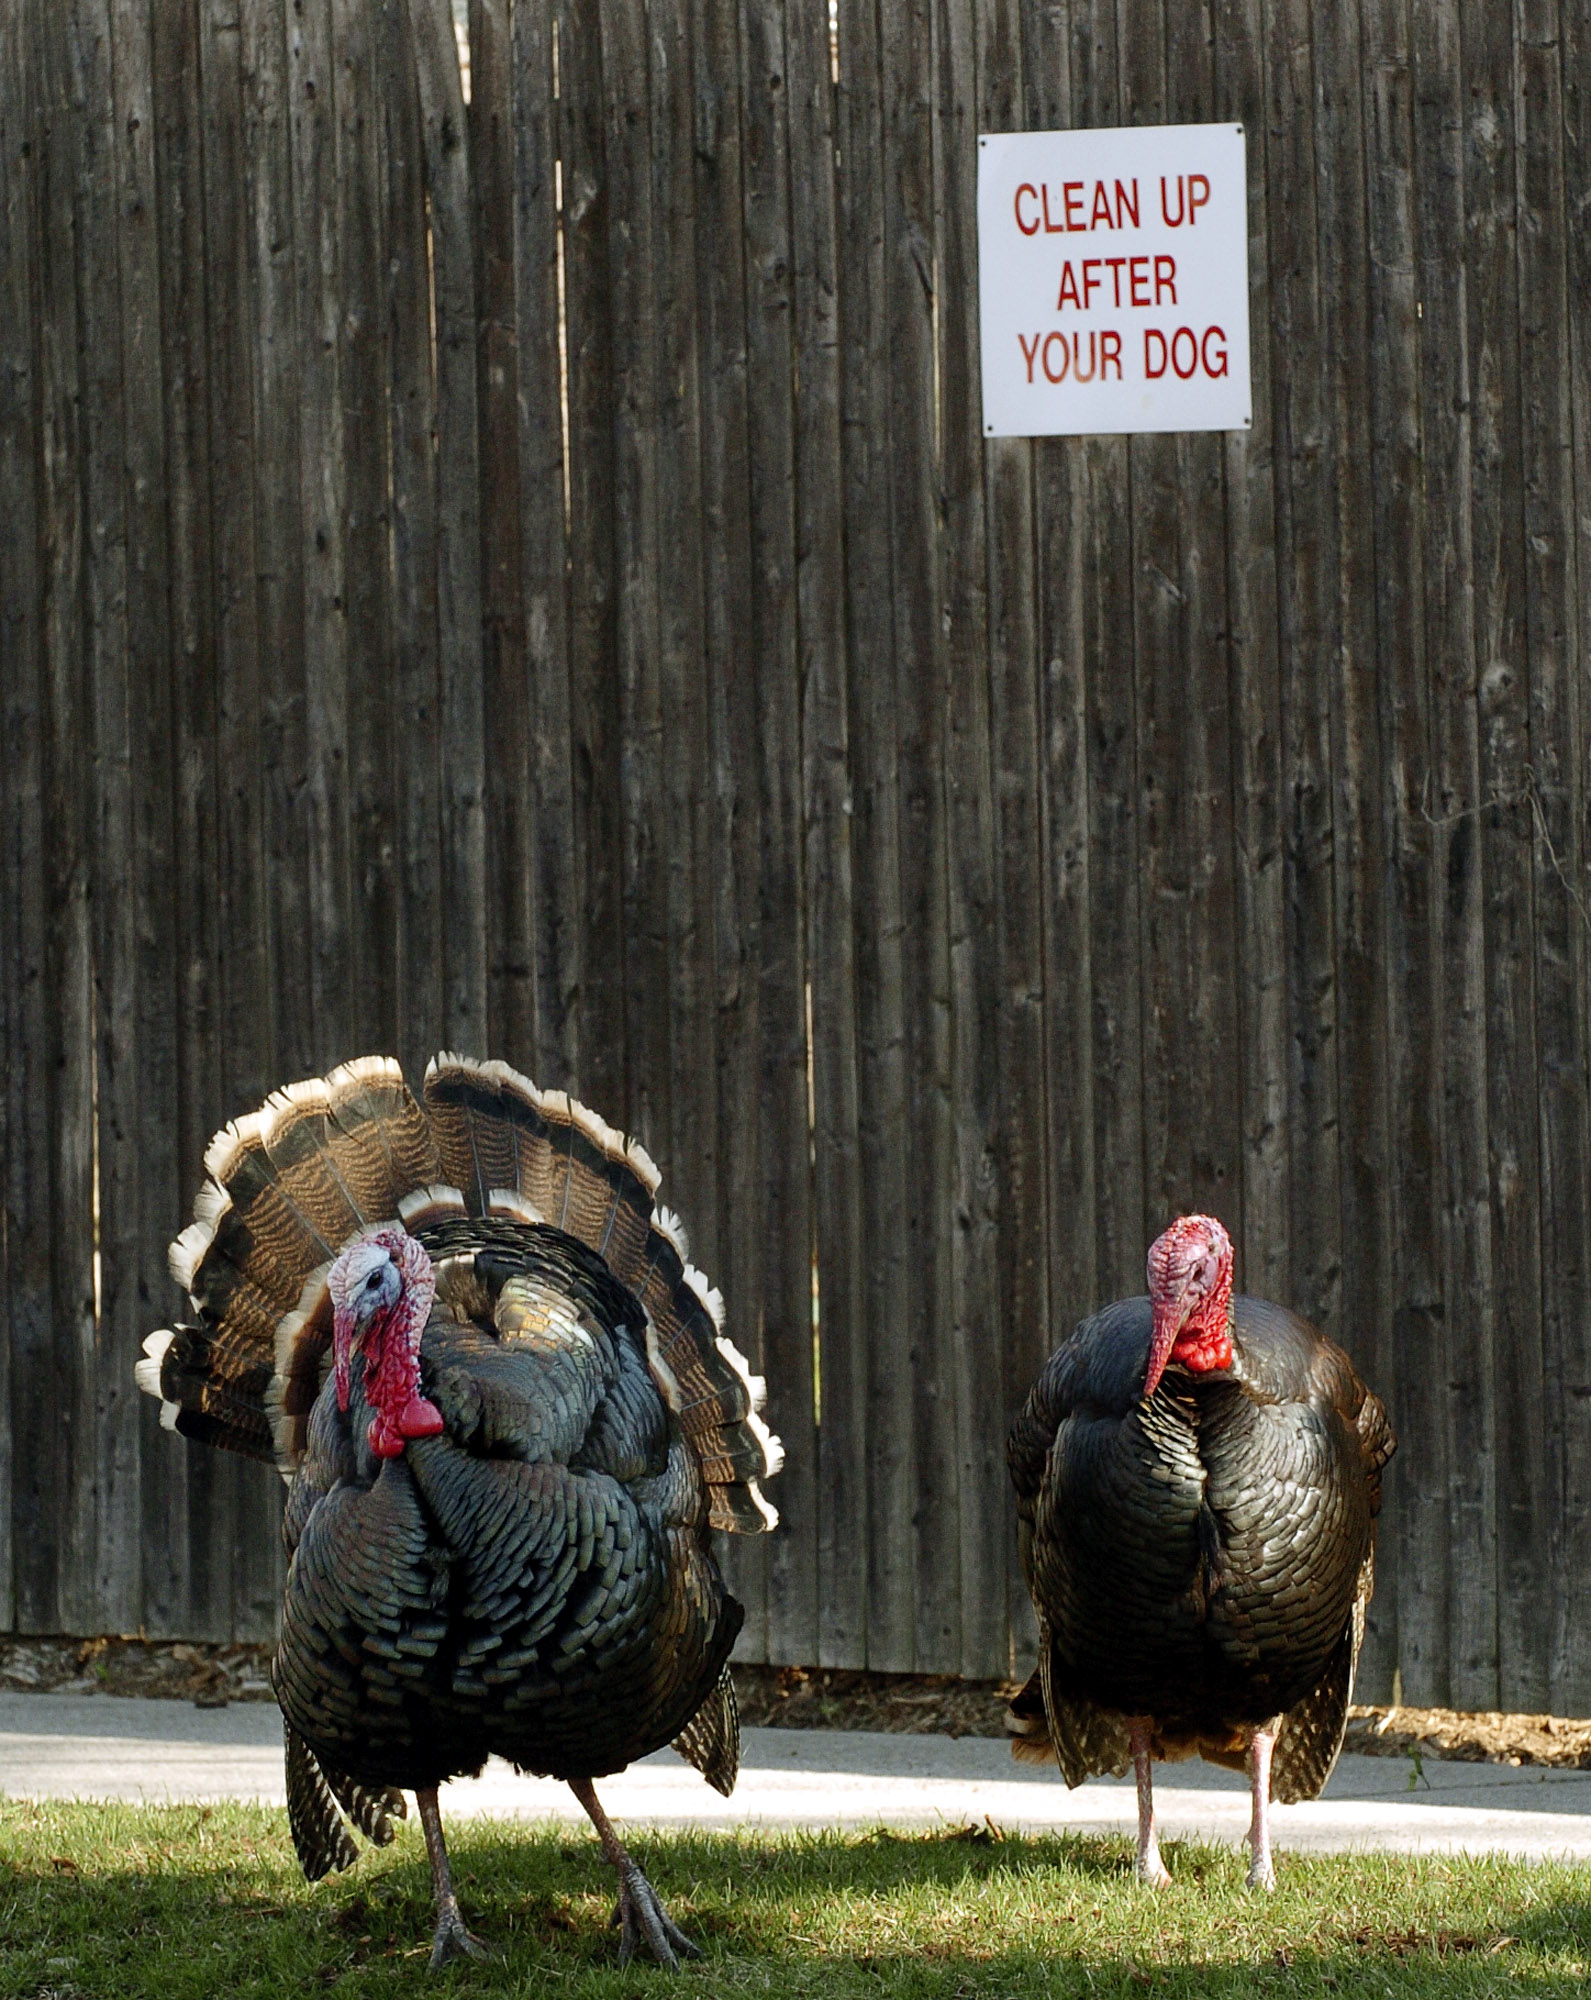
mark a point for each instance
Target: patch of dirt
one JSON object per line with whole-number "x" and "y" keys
{"x": 1490, "y": 1738}
{"x": 209, "y": 1676}
{"x": 837, "y": 1698}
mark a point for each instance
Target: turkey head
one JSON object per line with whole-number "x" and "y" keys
{"x": 382, "y": 1288}
{"x": 1190, "y": 1295}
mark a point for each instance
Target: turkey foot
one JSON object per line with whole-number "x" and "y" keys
{"x": 1149, "y": 1867}
{"x": 640, "y": 1913}
{"x": 1261, "y": 1869}
{"x": 453, "y": 1938}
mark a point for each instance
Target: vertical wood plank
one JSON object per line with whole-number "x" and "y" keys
{"x": 975, "y": 1377}
{"x": 842, "y": 1523}
{"x": 364, "y": 256}
{"x": 1358, "y": 855}
{"x": 864, "y": 417}
{"x": 1572, "y": 1655}
{"x": 1021, "y": 1290}
{"x": 1506, "y": 1084}
{"x": 458, "y": 535}
{"x": 1463, "y": 1669}
{"x": 593, "y": 584}
{"x": 734, "y": 721}
{"x": 511, "y": 816}
{"x": 784, "y": 1167}
{"x": 59, "y": 1410}
{"x": 417, "y": 663}
{"x": 1411, "y": 1552}
{"x": 1546, "y": 459}
{"x": 1256, "y": 702}
{"x": 538, "y": 354}
{"x": 1303, "y": 525}
{"x": 25, "y": 1311}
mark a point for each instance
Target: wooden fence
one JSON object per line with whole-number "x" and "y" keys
{"x": 526, "y": 575}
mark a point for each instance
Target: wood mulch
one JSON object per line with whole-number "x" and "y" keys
{"x": 780, "y": 1698}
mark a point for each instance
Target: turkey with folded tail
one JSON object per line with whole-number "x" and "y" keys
{"x": 509, "y": 1420}
{"x": 1197, "y": 1480}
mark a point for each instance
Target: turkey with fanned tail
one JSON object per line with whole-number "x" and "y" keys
{"x": 1197, "y": 1478}
{"x": 509, "y": 1421}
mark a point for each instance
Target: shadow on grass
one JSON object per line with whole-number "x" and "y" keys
{"x": 183, "y": 1905}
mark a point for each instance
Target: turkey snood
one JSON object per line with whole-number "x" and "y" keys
{"x": 1190, "y": 1295}
{"x": 382, "y": 1288}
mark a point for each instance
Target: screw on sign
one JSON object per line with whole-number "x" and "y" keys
{"x": 1113, "y": 280}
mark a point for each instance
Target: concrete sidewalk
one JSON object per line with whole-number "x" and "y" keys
{"x": 75, "y": 1746}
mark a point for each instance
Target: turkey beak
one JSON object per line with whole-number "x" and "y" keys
{"x": 1171, "y": 1316}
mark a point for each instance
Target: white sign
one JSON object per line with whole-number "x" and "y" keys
{"x": 1113, "y": 280}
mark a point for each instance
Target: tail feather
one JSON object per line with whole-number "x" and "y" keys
{"x": 291, "y": 1184}
{"x": 711, "y": 1739}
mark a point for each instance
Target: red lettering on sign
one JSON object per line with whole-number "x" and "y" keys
{"x": 1154, "y": 361}
{"x": 1109, "y": 353}
{"x": 1090, "y": 285}
{"x": 1077, "y": 358}
{"x": 1198, "y": 196}
{"x": 1127, "y": 203}
{"x": 1183, "y": 334}
{"x": 1204, "y": 351}
{"x": 1138, "y": 278}
{"x": 1050, "y": 228}
{"x": 1073, "y": 193}
{"x": 1027, "y": 228}
{"x": 1101, "y": 208}
{"x": 1113, "y": 265}
{"x": 1049, "y": 341}
{"x": 1028, "y": 353}
{"x": 1166, "y": 278}
{"x": 1172, "y": 221}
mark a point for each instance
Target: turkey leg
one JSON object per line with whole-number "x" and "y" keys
{"x": 1261, "y": 1872}
{"x": 453, "y": 1939}
{"x": 1150, "y": 1867}
{"x": 640, "y": 1913}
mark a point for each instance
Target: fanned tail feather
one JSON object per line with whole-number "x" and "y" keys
{"x": 711, "y": 1739}
{"x": 320, "y": 1838}
{"x": 322, "y": 1161}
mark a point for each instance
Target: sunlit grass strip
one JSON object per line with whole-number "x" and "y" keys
{"x": 201, "y": 1900}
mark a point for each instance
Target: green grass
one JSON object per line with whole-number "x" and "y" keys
{"x": 197, "y": 1901}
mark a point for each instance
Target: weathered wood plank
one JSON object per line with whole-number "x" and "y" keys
{"x": 593, "y": 582}
{"x": 511, "y": 815}
{"x": 1021, "y": 1280}
{"x": 1525, "y": 1451}
{"x": 1358, "y": 854}
{"x": 975, "y": 1377}
{"x": 458, "y": 533}
{"x": 911, "y": 299}
{"x": 57, "y": 1412}
{"x": 734, "y": 718}
{"x": 1571, "y": 1660}
{"x": 784, "y": 1167}
{"x": 136, "y": 1045}
{"x": 1462, "y": 1666}
{"x": 359, "y": 35}
{"x": 26, "y": 1319}
{"x": 881, "y": 1093}
{"x": 250, "y": 1572}
{"x": 841, "y": 1400}
{"x": 417, "y": 662}
{"x": 1264, "y": 1249}
{"x": 1412, "y": 1331}
{"x": 1546, "y": 460}
{"x": 1303, "y": 527}
{"x": 537, "y": 339}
